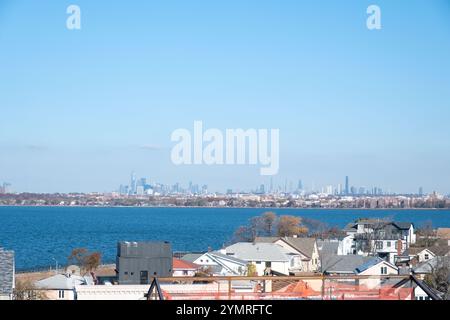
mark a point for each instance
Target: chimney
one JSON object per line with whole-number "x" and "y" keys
{"x": 399, "y": 247}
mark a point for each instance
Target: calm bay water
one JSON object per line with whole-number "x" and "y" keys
{"x": 40, "y": 234}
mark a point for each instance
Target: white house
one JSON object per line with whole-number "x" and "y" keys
{"x": 219, "y": 263}
{"x": 62, "y": 286}
{"x": 306, "y": 248}
{"x": 387, "y": 239}
{"x": 183, "y": 268}
{"x": 421, "y": 254}
{"x": 375, "y": 268}
{"x": 347, "y": 245}
{"x": 267, "y": 257}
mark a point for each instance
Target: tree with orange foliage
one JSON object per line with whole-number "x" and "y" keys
{"x": 289, "y": 226}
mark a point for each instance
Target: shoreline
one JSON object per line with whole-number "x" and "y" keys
{"x": 105, "y": 269}
{"x": 216, "y": 207}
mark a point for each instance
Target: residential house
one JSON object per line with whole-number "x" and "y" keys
{"x": 374, "y": 267}
{"x": 218, "y": 263}
{"x": 268, "y": 258}
{"x": 182, "y": 268}
{"x": 62, "y": 286}
{"x": 421, "y": 254}
{"x": 417, "y": 255}
{"x": 7, "y": 274}
{"x": 377, "y": 237}
{"x": 430, "y": 266}
{"x": 139, "y": 262}
{"x": 306, "y": 248}
{"x": 328, "y": 247}
{"x": 347, "y": 245}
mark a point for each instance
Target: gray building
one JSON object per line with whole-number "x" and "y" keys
{"x": 140, "y": 262}
{"x": 7, "y": 270}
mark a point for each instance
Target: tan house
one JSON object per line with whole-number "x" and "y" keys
{"x": 305, "y": 247}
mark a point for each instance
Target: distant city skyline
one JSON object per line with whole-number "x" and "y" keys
{"x": 80, "y": 108}
{"x": 147, "y": 186}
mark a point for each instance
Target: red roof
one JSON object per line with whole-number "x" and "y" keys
{"x": 179, "y": 264}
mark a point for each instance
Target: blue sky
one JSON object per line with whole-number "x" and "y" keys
{"x": 81, "y": 109}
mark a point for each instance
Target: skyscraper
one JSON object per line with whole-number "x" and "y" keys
{"x": 300, "y": 185}
{"x": 347, "y": 190}
{"x": 133, "y": 184}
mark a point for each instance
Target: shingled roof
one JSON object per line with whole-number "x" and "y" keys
{"x": 303, "y": 245}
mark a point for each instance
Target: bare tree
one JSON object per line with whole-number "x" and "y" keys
{"x": 87, "y": 261}
{"x": 439, "y": 278}
{"x": 268, "y": 221}
{"x": 26, "y": 290}
{"x": 243, "y": 234}
{"x": 426, "y": 233}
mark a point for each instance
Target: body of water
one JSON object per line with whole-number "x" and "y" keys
{"x": 40, "y": 234}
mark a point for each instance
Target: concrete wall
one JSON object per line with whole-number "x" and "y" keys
{"x": 155, "y": 258}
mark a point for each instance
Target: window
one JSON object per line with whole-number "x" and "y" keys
{"x": 383, "y": 270}
{"x": 379, "y": 244}
{"x": 61, "y": 294}
{"x": 185, "y": 273}
{"x": 388, "y": 244}
{"x": 268, "y": 264}
{"x": 144, "y": 277}
{"x": 258, "y": 262}
{"x": 427, "y": 256}
{"x": 125, "y": 273}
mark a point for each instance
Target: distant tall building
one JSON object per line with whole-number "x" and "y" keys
{"x": 123, "y": 190}
{"x": 347, "y": 190}
{"x": 133, "y": 183}
{"x": 329, "y": 190}
{"x": 6, "y": 188}
{"x": 420, "y": 191}
{"x": 140, "y": 190}
{"x": 300, "y": 185}
{"x": 262, "y": 189}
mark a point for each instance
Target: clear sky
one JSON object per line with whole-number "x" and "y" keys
{"x": 81, "y": 109}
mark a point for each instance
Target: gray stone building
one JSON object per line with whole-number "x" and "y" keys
{"x": 7, "y": 271}
{"x": 140, "y": 262}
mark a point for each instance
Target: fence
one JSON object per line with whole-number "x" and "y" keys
{"x": 316, "y": 287}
